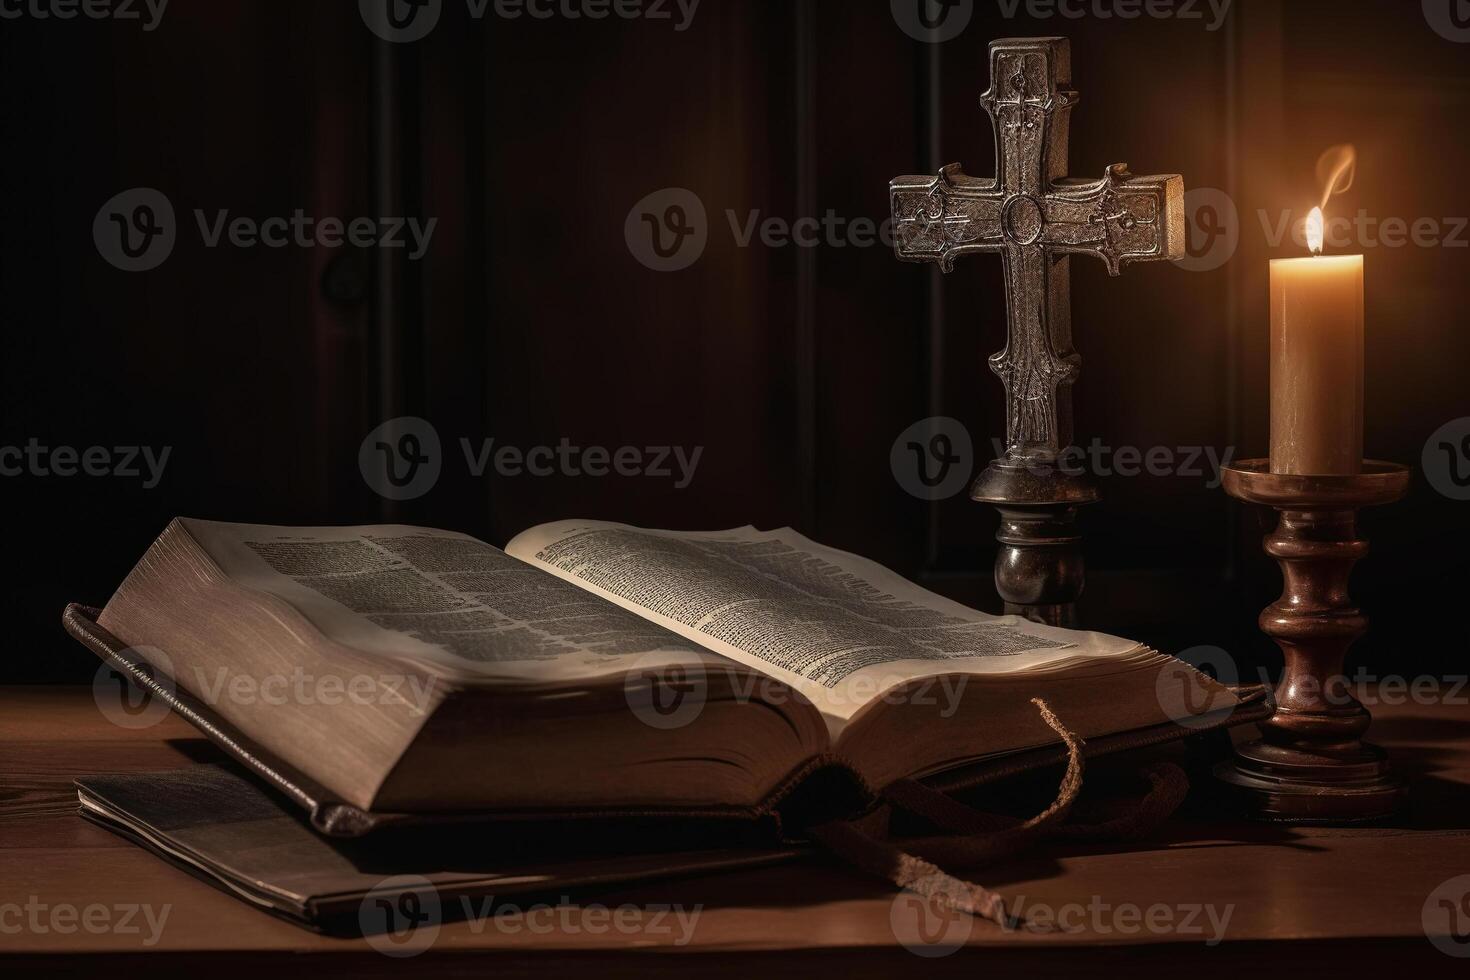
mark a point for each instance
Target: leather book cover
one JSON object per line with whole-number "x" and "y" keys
{"x": 235, "y": 834}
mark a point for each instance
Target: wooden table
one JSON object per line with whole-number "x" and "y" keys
{"x": 1295, "y": 897}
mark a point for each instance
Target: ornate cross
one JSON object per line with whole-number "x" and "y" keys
{"x": 1036, "y": 217}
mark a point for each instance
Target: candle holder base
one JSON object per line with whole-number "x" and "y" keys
{"x": 1310, "y": 764}
{"x": 1352, "y": 783}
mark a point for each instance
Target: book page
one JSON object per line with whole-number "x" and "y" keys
{"x": 838, "y": 627}
{"x": 441, "y": 598}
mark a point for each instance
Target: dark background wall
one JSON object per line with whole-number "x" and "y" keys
{"x": 531, "y": 319}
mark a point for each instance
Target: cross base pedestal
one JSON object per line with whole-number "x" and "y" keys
{"x": 1039, "y": 571}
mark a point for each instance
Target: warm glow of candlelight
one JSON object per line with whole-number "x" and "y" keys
{"x": 1314, "y": 231}
{"x": 1317, "y": 346}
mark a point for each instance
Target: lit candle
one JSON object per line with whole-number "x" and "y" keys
{"x": 1317, "y": 361}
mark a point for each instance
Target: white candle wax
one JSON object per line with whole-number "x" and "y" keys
{"x": 1317, "y": 365}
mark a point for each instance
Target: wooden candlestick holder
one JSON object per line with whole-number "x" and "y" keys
{"x": 1310, "y": 764}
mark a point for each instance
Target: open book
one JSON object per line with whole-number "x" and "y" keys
{"x": 609, "y": 668}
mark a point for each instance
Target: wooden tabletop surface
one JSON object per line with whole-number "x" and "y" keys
{"x": 1211, "y": 895}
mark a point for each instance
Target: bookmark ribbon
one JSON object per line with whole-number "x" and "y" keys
{"x": 974, "y": 838}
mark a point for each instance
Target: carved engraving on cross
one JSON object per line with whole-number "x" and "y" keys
{"x": 1035, "y": 217}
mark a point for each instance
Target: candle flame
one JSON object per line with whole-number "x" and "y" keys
{"x": 1336, "y": 169}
